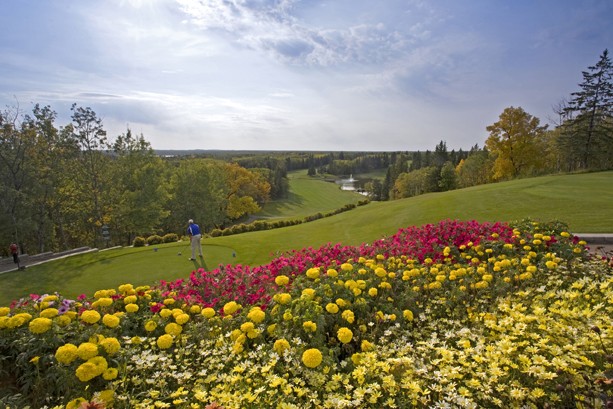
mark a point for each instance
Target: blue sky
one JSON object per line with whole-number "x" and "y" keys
{"x": 344, "y": 75}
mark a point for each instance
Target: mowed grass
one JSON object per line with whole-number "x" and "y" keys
{"x": 308, "y": 196}
{"x": 584, "y": 201}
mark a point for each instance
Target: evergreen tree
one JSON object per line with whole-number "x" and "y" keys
{"x": 588, "y": 130}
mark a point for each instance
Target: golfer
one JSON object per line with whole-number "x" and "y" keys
{"x": 193, "y": 230}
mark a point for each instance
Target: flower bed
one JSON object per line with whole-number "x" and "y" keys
{"x": 458, "y": 314}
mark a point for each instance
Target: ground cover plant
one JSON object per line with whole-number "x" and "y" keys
{"x": 455, "y": 314}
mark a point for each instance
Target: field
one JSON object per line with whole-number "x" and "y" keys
{"x": 580, "y": 200}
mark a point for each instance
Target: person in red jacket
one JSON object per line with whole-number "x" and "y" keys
{"x": 15, "y": 252}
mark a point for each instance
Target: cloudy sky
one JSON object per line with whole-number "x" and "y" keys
{"x": 375, "y": 75}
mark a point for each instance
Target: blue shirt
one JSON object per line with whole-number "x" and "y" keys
{"x": 193, "y": 229}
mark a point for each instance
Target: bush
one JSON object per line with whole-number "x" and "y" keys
{"x": 170, "y": 238}
{"x": 154, "y": 239}
{"x": 138, "y": 241}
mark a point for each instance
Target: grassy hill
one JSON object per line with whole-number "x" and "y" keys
{"x": 581, "y": 200}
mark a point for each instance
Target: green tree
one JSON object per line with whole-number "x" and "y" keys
{"x": 588, "y": 130}
{"x": 448, "y": 179}
{"x": 415, "y": 183}
{"x": 475, "y": 169}
{"x": 517, "y": 142}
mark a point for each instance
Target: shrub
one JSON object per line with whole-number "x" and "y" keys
{"x": 139, "y": 241}
{"x": 170, "y": 238}
{"x": 154, "y": 239}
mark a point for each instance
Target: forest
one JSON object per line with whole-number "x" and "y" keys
{"x": 72, "y": 185}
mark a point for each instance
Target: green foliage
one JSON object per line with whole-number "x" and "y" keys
{"x": 139, "y": 241}
{"x": 154, "y": 239}
{"x": 170, "y": 238}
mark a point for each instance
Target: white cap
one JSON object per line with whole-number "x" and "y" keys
{"x": 190, "y": 221}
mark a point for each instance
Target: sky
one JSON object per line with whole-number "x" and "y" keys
{"x": 331, "y": 75}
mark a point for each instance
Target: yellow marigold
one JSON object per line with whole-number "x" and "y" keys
{"x": 126, "y": 288}
{"x": 49, "y": 313}
{"x": 254, "y": 333}
{"x": 18, "y": 320}
{"x": 366, "y": 346}
{"x": 247, "y": 326}
{"x": 208, "y": 312}
{"x": 237, "y": 348}
{"x": 231, "y": 307}
{"x": 66, "y": 354}
{"x": 380, "y": 272}
{"x": 348, "y": 316}
{"x": 481, "y": 285}
{"x": 332, "y": 308}
{"x": 312, "y": 358}
{"x": 282, "y": 280}
{"x": 308, "y": 293}
{"x": 283, "y": 298}
{"x": 90, "y": 369}
{"x": 90, "y": 316}
{"x": 165, "y": 313}
{"x": 309, "y": 326}
{"x": 132, "y": 308}
{"x": 235, "y": 334}
{"x": 169, "y": 301}
{"x": 195, "y": 309}
{"x": 62, "y": 320}
{"x": 332, "y": 273}
{"x": 110, "y": 320}
{"x": 164, "y": 341}
{"x": 130, "y": 299}
{"x": 150, "y": 326}
{"x": 346, "y": 266}
{"x": 280, "y": 346}
{"x": 487, "y": 277}
{"x": 435, "y": 285}
{"x": 271, "y": 329}
{"x": 4, "y": 311}
{"x": 313, "y": 273}
{"x": 345, "y": 335}
{"x": 408, "y": 315}
{"x": 287, "y": 316}
{"x": 341, "y": 303}
{"x": 87, "y": 350}
{"x": 173, "y": 329}
{"x": 110, "y": 374}
{"x": 111, "y": 345}
{"x": 40, "y": 325}
{"x": 256, "y": 315}
{"x": 182, "y": 318}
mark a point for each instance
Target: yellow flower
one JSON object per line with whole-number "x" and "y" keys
{"x": 110, "y": 374}
{"x": 380, "y": 272}
{"x": 280, "y": 346}
{"x": 208, "y": 312}
{"x": 40, "y": 325}
{"x": 287, "y": 316}
{"x": 182, "y": 318}
{"x": 348, "y": 316}
{"x": 103, "y": 302}
{"x": 332, "y": 272}
{"x": 18, "y": 320}
{"x": 87, "y": 350}
{"x": 173, "y": 329}
{"x": 165, "y": 313}
{"x": 247, "y": 326}
{"x": 130, "y": 299}
{"x": 87, "y": 371}
{"x": 313, "y": 273}
{"x": 308, "y": 293}
{"x": 49, "y": 313}
{"x": 110, "y": 320}
{"x": 408, "y": 315}
{"x": 131, "y": 308}
{"x": 231, "y": 307}
{"x": 256, "y": 315}
{"x": 346, "y": 266}
{"x": 344, "y": 335}
{"x": 332, "y": 308}
{"x": 372, "y": 292}
{"x": 366, "y": 346}
{"x": 75, "y": 403}
{"x": 150, "y": 326}
{"x": 90, "y": 316}
{"x": 282, "y": 280}
{"x": 126, "y": 288}
{"x": 195, "y": 309}
{"x": 35, "y": 360}
{"x": 283, "y": 298}
{"x": 309, "y": 326}
{"x": 111, "y": 345}
{"x": 164, "y": 341}
{"x": 312, "y": 358}
{"x": 4, "y": 311}
{"x": 169, "y": 301}
{"x": 66, "y": 354}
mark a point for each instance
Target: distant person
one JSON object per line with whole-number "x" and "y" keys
{"x": 15, "y": 253}
{"x": 193, "y": 230}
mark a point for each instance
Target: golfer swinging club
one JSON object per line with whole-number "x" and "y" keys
{"x": 193, "y": 231}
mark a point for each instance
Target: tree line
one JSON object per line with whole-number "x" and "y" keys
{"x": 62, "y": 188}
{"x": 517, "y": 146}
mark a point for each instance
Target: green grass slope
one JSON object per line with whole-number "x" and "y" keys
{"x": 581, "y": 200}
